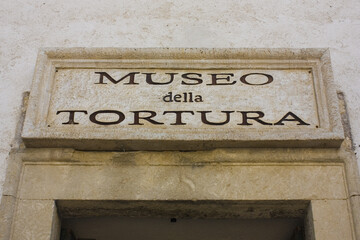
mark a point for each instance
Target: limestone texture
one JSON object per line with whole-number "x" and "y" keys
{"x": 110, "y": 99}
{"x": 27, "y": 26}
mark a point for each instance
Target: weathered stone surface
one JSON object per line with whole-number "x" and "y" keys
{"x": 189, "y": 158}
{"x": 184, "y": 209}
{"x": 248, "y": 183}
{"x": 197, "y": 182}
{"x": 7, "y": 209}
{"x": 191, "y": 91}
{"x": 182, "y": 99}
{"x": 36, "y": 220}
{"x": 29, "y": 25}
{"x": 13, "y": 175}
{"x": 332, "y": 220}
{"x": 355, "y": 206}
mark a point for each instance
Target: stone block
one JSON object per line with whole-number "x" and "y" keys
{"x": 36, "y": 220}
{"x": 332, "y": 220}
{"x": 233, "y": 182}
{"x": 182, "y": 99}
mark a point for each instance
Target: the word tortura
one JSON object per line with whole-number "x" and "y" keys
{"x": 244, "y": 118}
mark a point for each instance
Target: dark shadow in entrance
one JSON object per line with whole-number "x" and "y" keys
{"x": 185, "y": 220}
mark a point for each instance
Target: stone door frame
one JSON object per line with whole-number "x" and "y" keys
{"x": 38, "y": 178}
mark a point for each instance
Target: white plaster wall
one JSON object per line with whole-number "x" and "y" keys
{"x": 27, "y": 25}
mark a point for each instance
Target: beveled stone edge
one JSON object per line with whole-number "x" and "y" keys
{"x": 325, "y": 137}
{"x": 224, "y": 155}
{"x": 178, "y": 53}
{"x": 175, "y": 145}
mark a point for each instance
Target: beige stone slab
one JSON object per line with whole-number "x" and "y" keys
{"x": 79, "y": 89}
{"x": 128, "y": 102}
{"x": 35, "y": 220}
{"x": 332, "y": 220}
{"x": 7, "y": 209}
{"x": 13, "y": 173}
{"x": 233, "y": 182}
{"x": 355, "y": 207}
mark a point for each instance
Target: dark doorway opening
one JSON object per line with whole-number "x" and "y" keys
{"x": 185, "y": 220}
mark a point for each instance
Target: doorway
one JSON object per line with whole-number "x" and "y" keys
{"x": 185, "y": 220}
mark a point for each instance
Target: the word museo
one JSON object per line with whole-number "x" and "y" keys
{"x": 186, "y": 78}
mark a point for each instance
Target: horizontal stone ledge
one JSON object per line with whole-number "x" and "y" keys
{"x": 221, "y": 155}
{"x": 183, "y": 53}
{"x": 161, "y": 145}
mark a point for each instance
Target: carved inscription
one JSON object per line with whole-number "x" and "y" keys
{"x": 178, "y": 95}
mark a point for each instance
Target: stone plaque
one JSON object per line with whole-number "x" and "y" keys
{"x": 182, "y": 99}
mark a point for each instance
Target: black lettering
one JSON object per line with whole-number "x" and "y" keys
{"x": 177, "y": 97}
{"x": 198, "y": 98}
{"x": 215, "y": 79}
{"x": 150, "y": 81}
{"x": 120, "y": 115}
{"x": 185, "y": 96}
{"x": 105, "y": 74}
{"x": 259, "y": 114}
{"x": 168, "y": 97}
{"x": 197, "y": 80}
{"x": 148, "y": 118}
{"x": 269, "y": 79}
{"x": 204, "y": 118}
{"x": 178, "y": 116}
{"x": 71, "y": 115}
{"x": 293, "y": 118}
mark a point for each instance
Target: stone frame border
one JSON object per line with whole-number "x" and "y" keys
{"x": 37, "y": 134}
{"x": 34, "y": 216}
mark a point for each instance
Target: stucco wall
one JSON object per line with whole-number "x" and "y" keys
{"x": 26, "y": 26}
